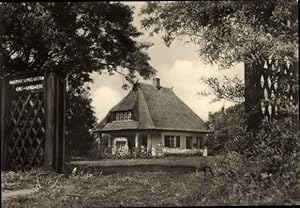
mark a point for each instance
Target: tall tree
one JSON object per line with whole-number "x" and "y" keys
{"x": 76, "y": 38}
{"x": 80, "y": 121}
{"x": 229, "y": 32}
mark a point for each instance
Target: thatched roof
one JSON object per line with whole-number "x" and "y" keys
{"x": 153, "y": 109}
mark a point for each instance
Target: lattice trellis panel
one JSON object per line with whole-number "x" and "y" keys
{"x": 26, "y": 135}
{"x": 277, "y": 88}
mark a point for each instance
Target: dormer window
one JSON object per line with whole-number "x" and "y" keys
{"x": 123, "y": 116}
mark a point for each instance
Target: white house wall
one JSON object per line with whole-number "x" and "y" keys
{"x": 159, "y": 137}
{"x": 155, "y": 138}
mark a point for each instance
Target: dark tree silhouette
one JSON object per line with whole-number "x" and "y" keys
{"x": 77, "y": 39}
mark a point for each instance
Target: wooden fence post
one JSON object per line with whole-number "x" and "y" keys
{"x": 55, "y": 122}
{"x": 3, "y": 121}
{"x": 60, "y": 124}
{"x": 50, "y": 93}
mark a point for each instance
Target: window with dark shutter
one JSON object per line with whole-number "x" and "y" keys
{"x": 177, "y": 141}
{"x": 170, "y": 141}
{"x": 167, "y": 144}
{"x": 199, "y": 142}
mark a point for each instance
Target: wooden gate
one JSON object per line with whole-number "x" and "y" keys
{"x": 267, "y": 87}
{"x": 32, "y": 107}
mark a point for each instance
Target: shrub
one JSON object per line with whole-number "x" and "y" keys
{"x": 277, "y": 146}
{"x": 103, "y": 152}
{"x": 228, "y": 126}
{"x": 273, "y": 148}
{"x": 139, "y": 153}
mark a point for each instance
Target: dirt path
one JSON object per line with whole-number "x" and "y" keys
{"x": 18, "y": 193}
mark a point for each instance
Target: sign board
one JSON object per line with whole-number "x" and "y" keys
{"x": 27, "y": 84}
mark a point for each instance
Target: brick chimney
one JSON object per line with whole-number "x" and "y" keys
{"x": 156, "y": 83}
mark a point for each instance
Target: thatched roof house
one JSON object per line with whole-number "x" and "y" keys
{"x": 150, "y": 115}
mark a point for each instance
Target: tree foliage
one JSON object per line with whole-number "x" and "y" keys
{"x": 80, "y": 121}
{"x": 229, "y": 32}
{"x": 231, "y": 89}
{"x": 77, "y": 37}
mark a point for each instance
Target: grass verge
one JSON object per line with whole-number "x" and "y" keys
{"x": 226, "y": 180}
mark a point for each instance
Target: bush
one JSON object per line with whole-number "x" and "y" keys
{"x": 275, "y": 143}
{"x": 101, "y": 152}
{"x": 273, "y": 149}
{"x": 232, "y": 179}
{"x": 139, "y": 153}
{"x": 277, "y": 147}
{"x": 106, "y": 153}
{"x": 228, "y": 126}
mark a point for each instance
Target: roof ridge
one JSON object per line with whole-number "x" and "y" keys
{"x": 141, "y": 83}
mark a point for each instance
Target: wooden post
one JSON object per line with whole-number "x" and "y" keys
{"x": 204, "y": 153}
{"x": 60, "y": 124}
{"x": 50, "y": 120}
{"x": 109, "y": 141}
{"x": 204, "y": 142}
{"x": 55, "y": 122}
{"x": 3, "y": 121}
{"x": 149, "y": 142}
{"x": 136, "y": 140}
{"x": 100, "y": 138}
{"x": 163, "y": 139}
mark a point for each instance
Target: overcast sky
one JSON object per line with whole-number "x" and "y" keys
{"x": 178, "y": 66}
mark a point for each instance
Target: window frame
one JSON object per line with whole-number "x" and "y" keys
{"x": 123, "y": 116}
{"x": 117, "y": 116}
{"x": 118, "y": 144}
{"x": 129, "y": 115}
{"x": 172, "y": 141}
